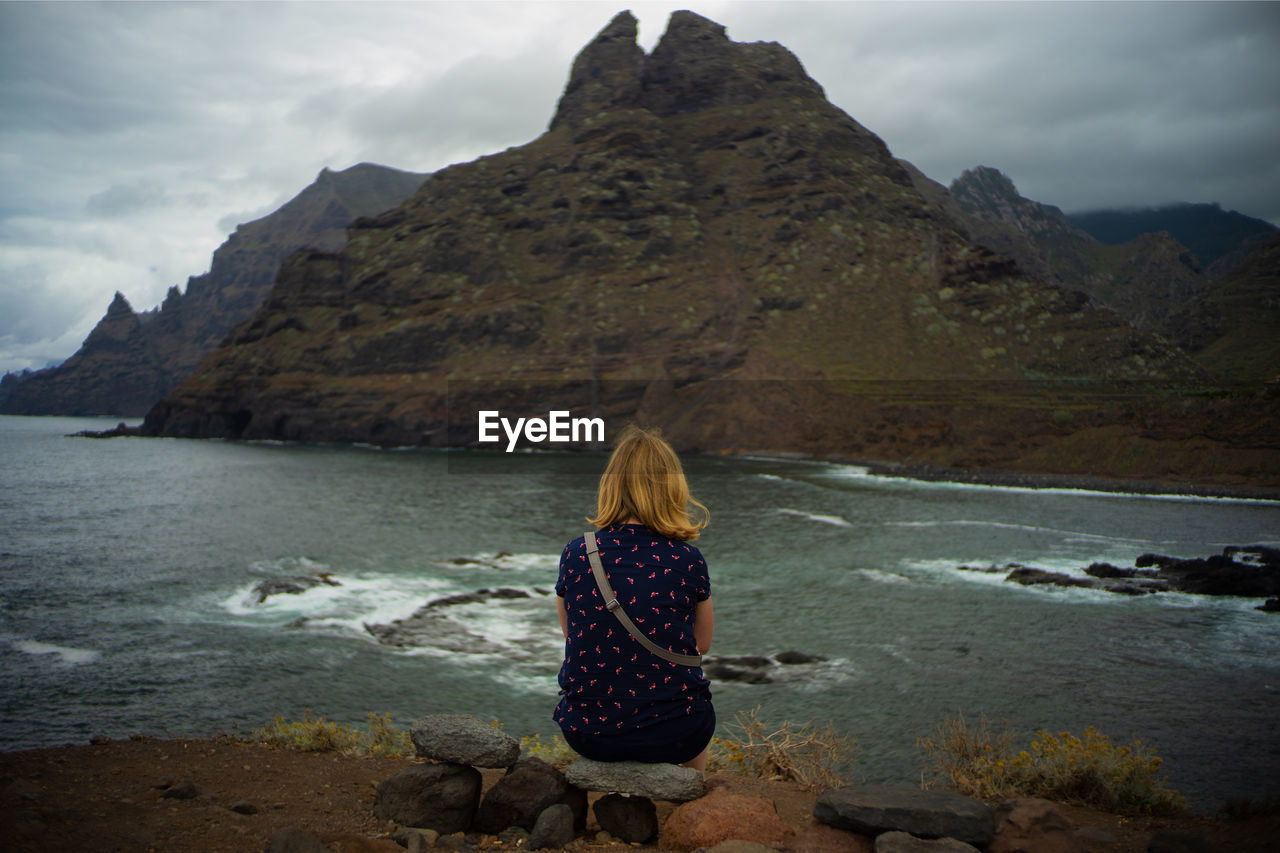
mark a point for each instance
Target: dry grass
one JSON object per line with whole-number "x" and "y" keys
{"x": 806, "y": 753}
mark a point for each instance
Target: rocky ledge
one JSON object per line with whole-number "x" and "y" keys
{"x": 1246, "y": 571}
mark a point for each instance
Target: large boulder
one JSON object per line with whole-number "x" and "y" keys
{"x": 722, "y": 816}
{"x": 873, "y": 810}
{"x": 462, "y": 739}
{"x": 442, "y": 797}
{"x": 530, "y": 787}
{"x": 553, "y": 829}
{"x": 655, "y": 781}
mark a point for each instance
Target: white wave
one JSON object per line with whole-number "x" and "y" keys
{"x": 66, "y": 655}
{"x": 855, "y": 472}
{"x": 825, "y": 519}
{"x": 770, "y": 477}
{"x": 505, "y": 562}
{"x": 1075, "y": 536}
{"x": 881, "y": 576}
{"x": 353, "y": 601}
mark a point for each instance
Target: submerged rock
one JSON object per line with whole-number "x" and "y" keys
{"x": 292, "y": 585}
{"x": 757, "y": 669}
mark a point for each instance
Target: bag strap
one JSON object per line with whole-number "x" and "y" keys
{"x": 613, "y": 606}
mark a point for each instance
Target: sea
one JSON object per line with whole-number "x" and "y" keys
{"x": 128, "y": 570}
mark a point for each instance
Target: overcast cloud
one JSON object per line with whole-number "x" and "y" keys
{"x": 134, "y": 137}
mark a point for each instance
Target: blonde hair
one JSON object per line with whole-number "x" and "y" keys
{"x": 644, "y": 481}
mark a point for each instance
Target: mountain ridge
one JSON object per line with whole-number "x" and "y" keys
{"x": 124, "y": 368}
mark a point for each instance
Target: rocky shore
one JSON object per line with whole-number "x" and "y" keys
{"x": 224, "y": 795}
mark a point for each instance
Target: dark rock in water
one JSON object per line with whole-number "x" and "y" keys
{"x": 1220, "y": 574}
{"x": 475, "y": 597}
{"x": 1034, "y": 577}
{"x": 1106, "y": 570}
{"x": 873, "y": 810}
{"x": 442, "y": 797}
{"x": 463, "y": 739}
{"x": 1271, "y": 605}
{"x": 553, "y": 829}
{"x": 633, "y": 820}
{"x": 292, "y": 585}
{"x": 790, "y": 658}
{"x": 430, "y": 625}
{"x": 530, "y": 787}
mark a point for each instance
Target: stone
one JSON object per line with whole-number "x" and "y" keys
{"x": 629, "y": 819}
{"x": 722, "y": 816}
{"x": 656, "y": 781}
{"x": 244, "y": 807}
{"x": 553, "y": 828}
{"x": 1032, "y": 823}
{"x": 902, "y": 842}
{"x": 184, "y": 790}
{"x": 294, "y": 840}
{"x": 735, "y": 846}
{"x": 442, "y": 797}
{"x": 820, "y": 838}
{"x": 462, "y": 739}
{"x": 873, "y": 810}
{"x": 529, "y": 787}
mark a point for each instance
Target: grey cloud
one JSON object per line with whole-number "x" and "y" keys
{"x": 123, "y": 199}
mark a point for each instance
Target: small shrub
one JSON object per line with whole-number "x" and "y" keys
{"x": 312, "y": 734}
{"x": 726, "y": 755}
{"x": 806, "y": 753}
{"x": 557, "y": 753}
{"x": 979, "y": 761}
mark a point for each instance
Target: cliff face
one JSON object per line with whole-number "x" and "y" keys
{"x": 129, "y": 362}
{"x": 1144, "y": 280}
{"x": 701, "y": 241}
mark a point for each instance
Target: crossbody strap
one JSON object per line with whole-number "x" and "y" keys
{"x": 614, "y": 607}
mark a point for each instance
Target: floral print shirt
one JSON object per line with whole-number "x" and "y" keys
{"x": 608, "y": 681}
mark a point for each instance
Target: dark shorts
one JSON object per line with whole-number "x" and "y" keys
{"x": 673, "y": 741}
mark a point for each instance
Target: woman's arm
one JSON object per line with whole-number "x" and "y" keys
{"x": 564, "y": 616}
{"x": 704, "y": 625}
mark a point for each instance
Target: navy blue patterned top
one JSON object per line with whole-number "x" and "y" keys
{"x": 608, "y": 681}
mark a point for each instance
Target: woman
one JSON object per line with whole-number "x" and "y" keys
{"x": 620, "y": 701}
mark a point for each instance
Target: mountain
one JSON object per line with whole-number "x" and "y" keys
{"x": 129, "y": 361}
{"x": 1234, "y": 329}
{"x": 1144, "y": 280}
{"x": 702, "y": 241}
{"x": 1220, "y": 239}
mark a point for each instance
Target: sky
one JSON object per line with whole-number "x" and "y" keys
{"x": 134, "y": 137}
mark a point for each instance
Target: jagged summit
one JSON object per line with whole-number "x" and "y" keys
{"x": 695, "y": 66}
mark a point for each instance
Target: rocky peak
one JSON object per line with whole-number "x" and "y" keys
{"x": 119, "y": 307}
{"x": 695, "y": 66}
{"x": 606, "y": 73}
{"x": 988, "y": 191}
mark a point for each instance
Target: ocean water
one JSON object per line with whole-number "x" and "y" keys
{"x": 127, "y": 570}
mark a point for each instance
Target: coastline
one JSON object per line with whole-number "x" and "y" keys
{"x": 223, "y": 795}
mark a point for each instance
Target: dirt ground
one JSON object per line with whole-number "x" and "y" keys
{"x": 123, "y": 795}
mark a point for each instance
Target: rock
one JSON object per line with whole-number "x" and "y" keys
{"x": 1271, "y": 605}
{"x": 1030, "y": 823}
{"x": 656, "y": 781}
{"x": 1221, "y": 574}
{"x": 873, "y": 810}
{"x": 790, "y": 658}
{"x": 902, "y": 842}
{"x": 820, "y": 838}
{"x": 244, "y": 807}
{"x": 736, "y": 846}
{"x": 553, "y": 828}
{"x": 1028, "y": 576}
{"x": 407, "y": 836}
{"x": 462, "y": 739}
{"x": 722, "y": 816}
{"x": 442, "y": 797}
{"x": 184, "y": 790}
{"x": 530, "y": 787}
{"x": 1170, "y": 841}
{"x": 633, "y": 820}
{"x": 292, "y": 585}
{"x": 294, "y": 840}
